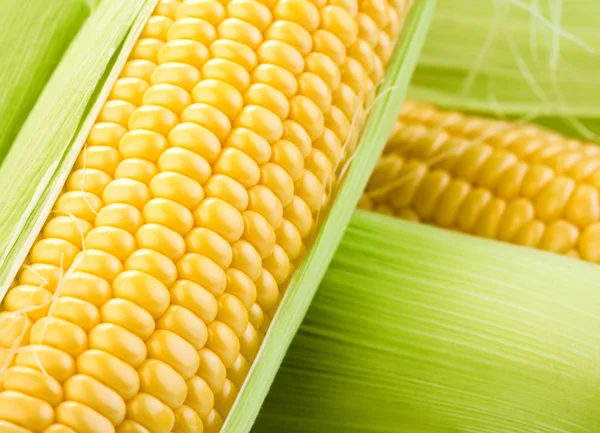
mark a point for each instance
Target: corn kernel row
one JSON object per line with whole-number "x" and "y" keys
{"x": 515, "y": 183}
{"x": 144, "y": 301}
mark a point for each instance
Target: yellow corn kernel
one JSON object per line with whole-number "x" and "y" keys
{"x": 58, "y": 428}
{"x": 187, "y": 420}
{"x": 183, "y": 322}
{"x": 118, "y": 342}
{"x": 263, "y": 201}
{"x": 157, "y": 27}
{"x": 223, "y": 342}
{"x": 47, "y": 359}
{"x": 138, "y": 68}
{"x": 40, "y": 274}
{"x": 98, "y": 263}
{"x": 9, "y": 427}
{"x": 241, "y": 286}
{"x": 69, "y": 228}
{"x": 147, "y": 296}
{"x": 256, "y": 315}
{"x": 278, "y": 264}
{"x": 200, "y": 397}
{"x": 268, "y": 97}
{"x": 185, "y": 162}
{"x": 169, "y": 214}
{"x": 203, "y": 271}
{"x": 153, "y": 263}
{"x": 88, "y": 180}
{"x": 33, "y": 383}
{"x": 111, "y": 371}
{"x": 175, "y": 351}
{"x": 130, "y": 316}
{"x": 209, "y": 244}
{"x": 213, "y": 422}
{"x": 227, "y": 189}
{"x": 238, "y": 166}
{"x": 238, "y": 372}
{"x": 58, "y": 333}
{"x": 26, "y": 411}
{"x": 515, "y": 183}
{"x": 224, "y": 400}
{"x": 160, "y": 238}
{"x": 54, "y": 251}
{"x": 183, "y": 51}
{"x": 95, "y": 395}
{"x": 32, "y": 300}
{"x": 129, "y": 426}
{"x": 259, "y": 232}
{"x": 249, "y": 342}
{"x": 246, "y": 259}
{"x": 161, "y": 381}
{"x": 82, "y": 418}
{"x": 211, "y": 369}
{"x": 77, "y": 311}
{"x": 232, "y": 313}
{"x": 199, "y": 300}
{"x": 287, "y": 155}
{"x": 221, "y": 217}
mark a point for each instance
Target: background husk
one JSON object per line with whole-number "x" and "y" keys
{"x": 529, "y": 59}
{"x": 420, "y": 330}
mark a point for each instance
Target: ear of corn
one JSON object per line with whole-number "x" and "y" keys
{"x": 408, "y": 334}
{"x": 303, "y": 287}
{"x": 144, "y": 301}
{"x": 501, "y": 180}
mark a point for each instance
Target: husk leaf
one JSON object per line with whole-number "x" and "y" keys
{"x": 42, "y": 154}
{"x": 420, "y": 330}
{"x": 516, "y": 58}
{"x": 34, "y": 35}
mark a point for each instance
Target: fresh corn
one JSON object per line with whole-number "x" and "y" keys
{"x": 145, "y": 299}
{"x": 496, "y": 179}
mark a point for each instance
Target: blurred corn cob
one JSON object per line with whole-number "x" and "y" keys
{"x": 513, "y": 182}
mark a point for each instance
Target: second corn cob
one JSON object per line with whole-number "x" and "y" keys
{"x": 144, "y": 302}
{"x": 496, "y": 179}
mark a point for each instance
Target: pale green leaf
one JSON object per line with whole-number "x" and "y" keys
{"x": 39, "y": 160}
{"x": 420, "y": 330}
{"x": 34, "y": 35}
{"x": 515, "y": 58}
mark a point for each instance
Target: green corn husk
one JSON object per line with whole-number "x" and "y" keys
{"x": 532, "y": 59}
{"x": 34, "y": 35}
{"x": 420, "y": 330}
{"x": 48, "y": 142}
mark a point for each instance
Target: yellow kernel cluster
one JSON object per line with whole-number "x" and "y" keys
{"x": 501, "y": 180}
{"x": 146, "y": 297}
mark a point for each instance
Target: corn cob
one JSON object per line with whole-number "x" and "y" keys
{"x": 496, "y": 179}
{"x": 144, "y": 301}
